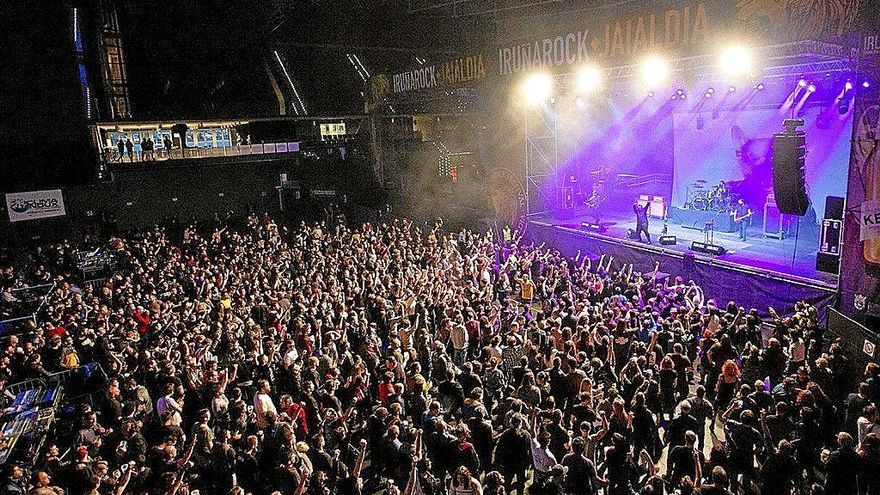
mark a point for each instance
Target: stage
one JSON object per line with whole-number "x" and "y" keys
{"x": 759, "y": 271}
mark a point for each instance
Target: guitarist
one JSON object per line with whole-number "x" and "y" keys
{"x": 741, "y": 213}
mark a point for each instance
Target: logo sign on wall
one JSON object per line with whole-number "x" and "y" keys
{"x": 32, "y": 205}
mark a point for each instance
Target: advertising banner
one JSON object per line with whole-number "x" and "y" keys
{"x": 860, "y": 252}
{"x": 32, "y": 205}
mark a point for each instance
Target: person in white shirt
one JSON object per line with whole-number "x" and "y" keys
{"x": 168, "y": 403}
{"x": 263, "y": 403}
{"x": 542, "y": 459}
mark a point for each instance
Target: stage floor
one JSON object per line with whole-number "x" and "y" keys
{"x": 773, "y": 256}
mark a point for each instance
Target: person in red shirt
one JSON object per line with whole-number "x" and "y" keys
{"x": 142, "y": 317}
{"x": 386, "y": 387}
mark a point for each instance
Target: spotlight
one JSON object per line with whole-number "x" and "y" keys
{"x": 811, "y": 88}
{"x": 674, "y": 97}
{"x": 654, "y": 71}
{"x": 683, "y": 96}
{"x": 537, "y": 87}
{"x": 708, "y": 95}
{"x": 736, "y": 60}
{"x": 732, "y": 89}
{"x": 679, "y": 92}
{"x": 848, "y": 86}
{"x": 866, "y": 84}
{"x": 650, "y": 94}
{"x": 802, "y": 83}
{"x": 589, "y": 78}
{"x": 710, "y": 90}
{"x": 759, "y": 86}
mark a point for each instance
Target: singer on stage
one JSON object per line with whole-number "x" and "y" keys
{"x": 642, "y": 221}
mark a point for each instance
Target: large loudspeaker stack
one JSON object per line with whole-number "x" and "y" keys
{"x": 789, "y": 182}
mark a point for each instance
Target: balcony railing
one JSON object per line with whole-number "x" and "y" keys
{"x": 111, "y": 154}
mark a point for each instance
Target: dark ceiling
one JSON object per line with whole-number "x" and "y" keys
{"x": 209, "y": 59}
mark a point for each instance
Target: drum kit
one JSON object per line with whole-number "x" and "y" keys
{"x": 701, "y": 197}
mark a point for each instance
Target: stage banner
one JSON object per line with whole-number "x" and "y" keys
{"x": 620, "y": 34}
{"x": 614, "y": 36}
{"x": 32, "y": 205}
{"x": 860, "y": 253}
{"x": 870, "y": 221}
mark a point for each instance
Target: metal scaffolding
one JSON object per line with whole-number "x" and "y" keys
{"x": 541, "y": 158}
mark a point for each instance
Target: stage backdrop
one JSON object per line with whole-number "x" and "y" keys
{"x": 737, "y": 147}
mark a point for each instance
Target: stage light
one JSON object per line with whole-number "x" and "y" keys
{"x": 708, "y": 95}
{"x": 759, "y": 86}
{"x": 674, "y": 97}
{"x": 731, "y": 89}
{"x": 589, "y": 78}
{"x": 736, "y": 60}
{"x": 651, "y": 93}
{"x": 679, "y": 92}
{"x": 802, "y": 83}
{"x": 710, "y": 90}
{"x": 866, "y": 84}
{"x": 537, "y": 87}
{"x": 848, "y": 85}
{"x": 655, "y": 71}
{"x": 811, "y": 88}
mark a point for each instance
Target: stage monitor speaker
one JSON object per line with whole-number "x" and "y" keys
{"x": 702, "y": 247}
{"x": 834, "y": 207}
{"x": 828, "y": 263}
{"x": 789, "y": 183}
{"x": 668, "y": 240}
{"x": 594, "y": 227}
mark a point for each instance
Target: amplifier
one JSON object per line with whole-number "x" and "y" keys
{"x": 773, "y": 219}
{"x": 668, "y": 240}
{"x": 703, "y": 247}
{"x": 656, "y": 205}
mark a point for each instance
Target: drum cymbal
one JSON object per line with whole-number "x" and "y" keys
{"x": 700, "y": 181}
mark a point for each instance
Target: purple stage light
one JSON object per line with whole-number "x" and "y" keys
{"x": 866, "y": 84}
{"x": 802, "y": 83}
{"x": 650, "y": 94}
{"x": 732, "y": 89}
{"x": 759, "y": 86}
{"x": 811, "y": 88}
{"x": 710, "y": 90}
{"x": 848, "y": 86}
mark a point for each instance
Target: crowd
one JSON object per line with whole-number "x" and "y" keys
{"x": 406, "y": 359}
